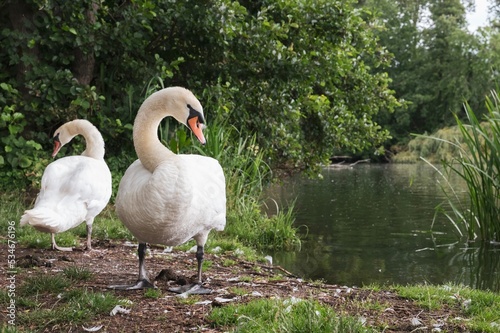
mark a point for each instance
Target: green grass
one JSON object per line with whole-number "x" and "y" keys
{"x": 245, "y": 278}
{"x": 370, "y": 305}
{"x": 278, "y": 315}
{"x": 40, "y": 284}
{"x": 76, "y": 273}
{"x": 228, "y": 262}
{"x": 4, "y": 328}
{"x": 481, "y": 309}
{"x": 479, "y": 167}
{"x": 76, "y": 307}
{"x": 192, "y": 299}
{"x": 207, "y": 265}
{"x": 152, "y": 293}
{"x": 477, "y": 163}
{"x": 108, "y": 226}
{"x": 238, "y": 291}
{"x": 47, "y": 301}
{"x": 250, "y": 227}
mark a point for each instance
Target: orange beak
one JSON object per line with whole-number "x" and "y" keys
{"x": 196, "y": 127}
{"x": 57, "y": 147}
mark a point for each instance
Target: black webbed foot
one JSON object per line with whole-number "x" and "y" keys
{"x": 140, "y": 284}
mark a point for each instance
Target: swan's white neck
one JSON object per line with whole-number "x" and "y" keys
{"x": 148, "y": 147}
{"x": 177, "y": 102}
{"x": 93, "y": 139}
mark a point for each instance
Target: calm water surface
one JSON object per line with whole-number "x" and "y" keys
{"x": 372, "y": 224}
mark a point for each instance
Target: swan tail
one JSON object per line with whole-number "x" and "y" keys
{"x": 43, "y": 219}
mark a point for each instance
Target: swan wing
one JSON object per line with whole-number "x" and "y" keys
{"x": 74, "y": 189}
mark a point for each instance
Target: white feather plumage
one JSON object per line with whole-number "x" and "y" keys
{"x": 166, "y": 198}
{"x": 75, "y": 188}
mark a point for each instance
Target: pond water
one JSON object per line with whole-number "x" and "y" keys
{"x": 374, "y": 224}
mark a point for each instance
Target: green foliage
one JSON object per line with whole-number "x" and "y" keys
{"x": 302, "y": 94}
{"x": 289, "y": 315}
{"x": 434, "y": 147}
{"x": 108, "y": 226}
{"x": 437, "y": 62}
{"x": 296, "y": 74}
{"x": 17, "y": 153}
{"x": 5, "y": 328}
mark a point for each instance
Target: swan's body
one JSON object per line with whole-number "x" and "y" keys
{"x": 175, "y": 203}
{"x": 166, "y": 198}
{"x": 74, "y": 188}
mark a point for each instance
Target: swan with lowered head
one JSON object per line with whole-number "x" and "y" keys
{"x": 165, "y": 198}
{"x": 74, "y": 188}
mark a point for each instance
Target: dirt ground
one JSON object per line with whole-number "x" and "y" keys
{"x": 116, "y": 263}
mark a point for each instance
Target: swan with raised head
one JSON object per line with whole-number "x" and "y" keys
{"x": 74, "y": 188}
{"x": 166, "y": 198}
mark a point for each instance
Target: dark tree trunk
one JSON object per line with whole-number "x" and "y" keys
{"x": 83, "y": 67}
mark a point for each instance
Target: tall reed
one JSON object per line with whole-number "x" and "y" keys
{"x": 478, "y": 164}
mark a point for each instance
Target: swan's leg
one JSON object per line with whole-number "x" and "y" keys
{"x": 143, "y": 281}
{"x": 56, "y": 247}
{"x": 199, "y": 257}
{"x": 89, "y": 236}
{"x": 141, "y": 252}
{"x": 194, "y": 288}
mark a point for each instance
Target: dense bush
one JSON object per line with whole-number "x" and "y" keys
{"x": 298, "y": 74}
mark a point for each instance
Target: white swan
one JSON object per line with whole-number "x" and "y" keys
{"x": 165, "y": 198}
{"x": 74, "y": 188}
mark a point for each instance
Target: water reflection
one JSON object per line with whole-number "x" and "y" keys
{"x": 372, "y": 224}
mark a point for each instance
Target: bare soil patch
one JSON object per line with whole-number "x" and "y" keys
{"x": 116, "y": 263}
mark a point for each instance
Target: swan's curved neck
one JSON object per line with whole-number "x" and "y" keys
{"x": 148, "y": 147}
{"x": 93, "y": 139}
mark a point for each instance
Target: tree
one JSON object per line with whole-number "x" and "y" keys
{"x": 438, "y": 63}
{"x": 301, "y": 74}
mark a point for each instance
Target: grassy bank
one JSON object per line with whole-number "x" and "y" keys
{"x": 69, "y": 293}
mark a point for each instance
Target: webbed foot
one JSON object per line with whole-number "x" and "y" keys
{"x": 140, "y": 284}
{"x": 191, "y": 289}
{"x": 60, "y": 248}
{"x": 57, "y": 247}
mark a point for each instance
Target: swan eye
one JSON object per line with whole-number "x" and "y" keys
{"x": 200, "y": 125}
